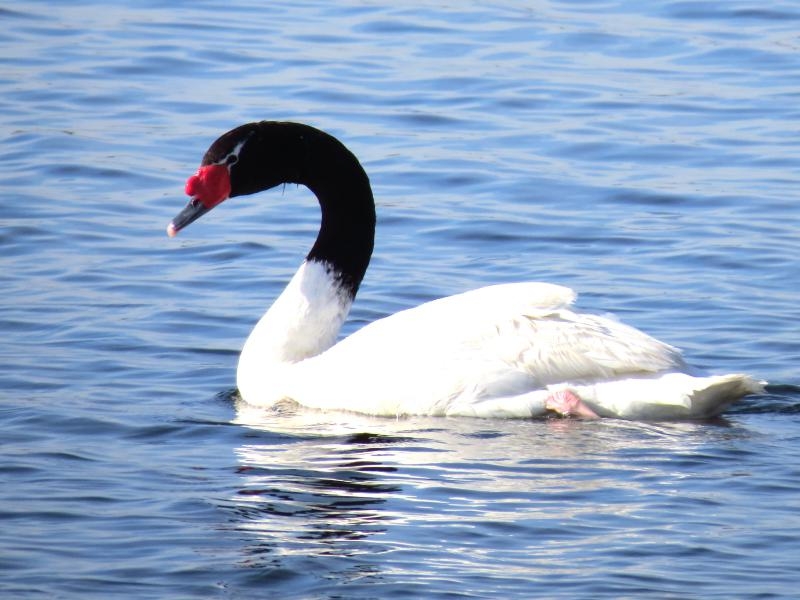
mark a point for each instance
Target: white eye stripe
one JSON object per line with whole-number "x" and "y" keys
{"x": 233, "y": 156}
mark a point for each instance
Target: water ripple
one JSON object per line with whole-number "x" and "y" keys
{"x": 644, "y": 155}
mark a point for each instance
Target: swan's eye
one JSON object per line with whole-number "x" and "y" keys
{"x": 232, "y": 159}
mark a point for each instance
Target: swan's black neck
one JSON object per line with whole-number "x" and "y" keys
{"x": 276, "y": 153}
{"x": 347, "y": 229}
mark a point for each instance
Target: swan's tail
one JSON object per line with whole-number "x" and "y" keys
{"x": 666, "y": 396}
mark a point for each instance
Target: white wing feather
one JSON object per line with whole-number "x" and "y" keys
{"x": 449, "y": 355}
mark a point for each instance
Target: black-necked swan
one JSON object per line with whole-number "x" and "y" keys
{"x": 509, "y": 350}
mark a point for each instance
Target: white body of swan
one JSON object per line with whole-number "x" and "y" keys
{"x": 498, "y": 351}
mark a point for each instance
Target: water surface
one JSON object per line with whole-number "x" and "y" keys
{"x": 645, "y": 155}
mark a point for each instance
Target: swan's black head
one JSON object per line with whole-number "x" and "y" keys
{"x": 260, "y": 156}
{"x": 248, "y": 159}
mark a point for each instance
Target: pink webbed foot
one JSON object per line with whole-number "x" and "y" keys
{"x": 569, "y": 405}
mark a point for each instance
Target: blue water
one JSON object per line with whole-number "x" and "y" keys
{"x": 646, "y": 154}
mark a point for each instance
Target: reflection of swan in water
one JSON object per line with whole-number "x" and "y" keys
{"x": 317, "y": 485}
{"x": 310, "y": 494}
